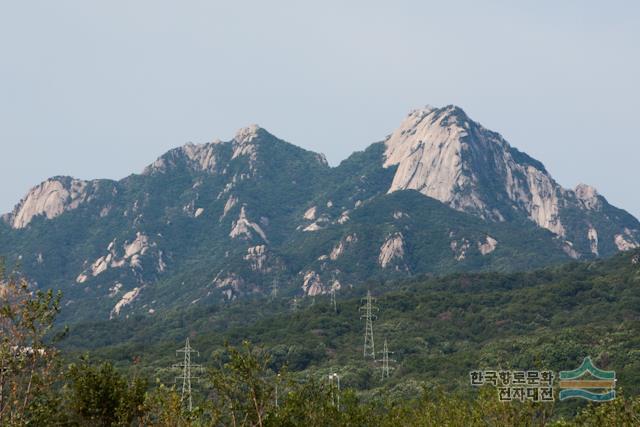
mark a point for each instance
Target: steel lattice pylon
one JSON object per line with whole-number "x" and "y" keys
{"x": 368, "y": 309}
{"x": 188, "y": 369}
{"x": 386, "y": 369}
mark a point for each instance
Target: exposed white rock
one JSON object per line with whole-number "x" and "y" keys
{"x": 51, "y": 198}
{"x": 592, "y": 235}
{"x": 247, "y": 134}
{"x": 257, "y": 258}
{"x": 624, "y": 242}
{"x": 310, "y": 214}
{"x": 443, "y": 154}
{"x": 100, "y": 265}
{"x": 138, "y": 247}
{"x": 589, "y": 196}
{"x": 399, "y": 215}
{"x": 312, "y": 227}
{"x": 198, "y": 212}
{"x": 337, "y": 251}
{"x": 132, "y": 256}
{"x": 243, "y": 146}
{"x": 231, "y": 281}
{"x": 341, "y": 246}
{"x": 428, "y": 154}
{"x": 391, "y": 250}
{"x": 113, "y": 291}
{"x": 488, "y": 246}
{"x": 312, "y": 284}
{"x": 568, "y": 249}
{"x": 243, "y": 228}
{"x": 126, "y": 299}
{"x": 460, "y": 248}
{"x": 344, "y": 217}
{"x": 231, "y": 202}
{"x": 199, "y": 157}
{"x": 322, "y": 159}
{"x": 162, "y": 266}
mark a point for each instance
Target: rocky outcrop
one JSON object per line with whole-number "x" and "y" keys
{"x": 310, "y": 214}
{"x": 339, "y": 249}
{"x": 130, "y": 255}
{"x": 257, "y": 258}
{"x": 197, "y": 157}
{"x": 443, "y": 154}
{"x": 489, "y": 245}
{"x": 50, "y": 199}
{"x": 231, "y": 284}
{"x": 460, "y": 248}
{"x": 392, "y": 250}
{"x": 570, "y": 250}
{"x": 312, "y": 284}
{"x": 126, "y": 299}
{"x": 624, "y": 242}
{"x": 592, "y": 235}
{"x": 229, "y": 204}
{"x": 243, "y": 228}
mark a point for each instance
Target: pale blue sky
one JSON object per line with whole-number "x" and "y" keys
{"x": 99, "y": 89}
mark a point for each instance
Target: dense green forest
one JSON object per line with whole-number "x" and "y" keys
{"x": 438, "y": 328}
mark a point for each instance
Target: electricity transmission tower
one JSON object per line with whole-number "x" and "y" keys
{"x": 294, "y": 304}
{"x": 187, "y": 368}
{"x": 334, "y": 382}
{"x": 333, "y": 300}
{"x": 274, "y": 288}
{"x": 368, "y": 309}
{"x": 386, "y": 369}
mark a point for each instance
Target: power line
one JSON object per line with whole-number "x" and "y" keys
{"x": 368, "y": 308}
{"x": 187, "y": 372}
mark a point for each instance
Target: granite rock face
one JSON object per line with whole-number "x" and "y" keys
{"x": 443, "y": 154}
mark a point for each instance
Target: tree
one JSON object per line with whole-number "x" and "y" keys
{"x": 28, "y": 365}
{"x": 243, "y": 387}
{"x": 100, "y": 395}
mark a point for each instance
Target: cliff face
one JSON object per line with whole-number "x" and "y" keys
{"x": 51, "y": 198}
{"x": 443, "y": 154}
{"x": 226, "y": 219}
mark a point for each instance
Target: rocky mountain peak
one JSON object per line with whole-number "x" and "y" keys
{"x": 247, "y": 134}
{"x": 50, "y": 198}
{"x": 443, "y": 154}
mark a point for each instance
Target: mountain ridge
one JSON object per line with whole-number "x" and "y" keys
{"x": 226, "y": 218}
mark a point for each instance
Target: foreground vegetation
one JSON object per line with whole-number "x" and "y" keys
{"x": 553, "y": 317}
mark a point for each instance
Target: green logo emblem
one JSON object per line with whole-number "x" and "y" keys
{"x": 598, "y": 386}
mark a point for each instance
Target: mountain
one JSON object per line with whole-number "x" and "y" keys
{"x": 224, "y": 220}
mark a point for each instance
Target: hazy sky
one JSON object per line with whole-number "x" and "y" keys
{"x": 99, "y": 89}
